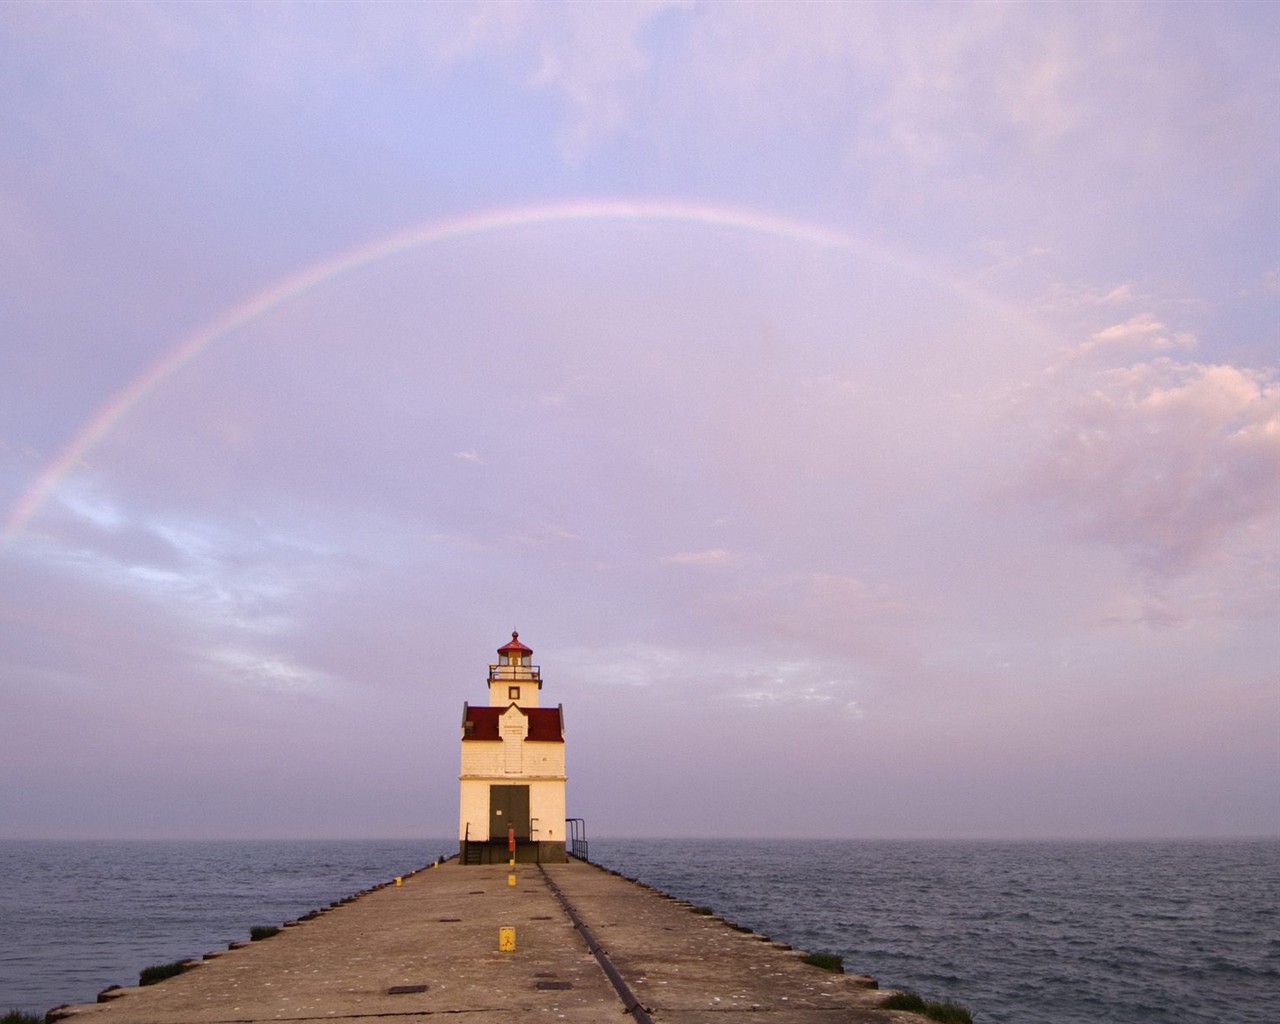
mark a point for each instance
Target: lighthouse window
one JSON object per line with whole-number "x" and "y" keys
{"x": 513, "y": 693}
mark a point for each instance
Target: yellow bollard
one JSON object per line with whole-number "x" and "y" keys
{"x": 511, "y": 879}
{"x": 399, "y": 879}
{"x": 506, "y": 940}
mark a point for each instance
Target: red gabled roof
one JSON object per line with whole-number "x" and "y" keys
{"x": 546, "y": 725}
{"x": 515, "y": 646}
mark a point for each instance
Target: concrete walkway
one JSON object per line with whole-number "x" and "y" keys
{"x": 440, "y": 929}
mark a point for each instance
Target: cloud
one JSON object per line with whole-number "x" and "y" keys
{"x": 746, "y": 675}
{"x": 270, "y": 671}
{"x": 540, "y": 535}
{"x": 1143, "y": 331}
{"x": 1072, "y": 298}
{"x": 1120, "y": 293}
{"x": 592, "y": 58}
{"x": 923, "y": 92}
{"x": 1164, "y": 460}
{"x": 711, "y": 556}
{"x": 229, "y": 605}
{"x": 839, "y": 614}
{"x": 826, "y": 697}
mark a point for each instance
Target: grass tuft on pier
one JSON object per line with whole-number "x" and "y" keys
{"x": 944, "y": 1012}
{"x": 827, "y": 961}
{"x": 262, "y": 931}
{"x": 20, "y": 1017}
{"x": 158, "y": 972}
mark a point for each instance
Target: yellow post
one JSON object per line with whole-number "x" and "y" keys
{"x": 399, "y": 879}
{"x": 511, "y": 879}
{"x": 506, "y": 940}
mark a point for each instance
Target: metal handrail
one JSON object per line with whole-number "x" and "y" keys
{"x": 577, "y": 837}
{"x": 466, "y": 842}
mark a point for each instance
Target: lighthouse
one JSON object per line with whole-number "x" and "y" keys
{"x": 512, "y": 779}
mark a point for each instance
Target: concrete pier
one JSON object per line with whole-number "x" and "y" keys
{"x": 590, "y": 948}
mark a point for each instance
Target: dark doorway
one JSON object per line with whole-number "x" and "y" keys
{"x": 509, "y": 808}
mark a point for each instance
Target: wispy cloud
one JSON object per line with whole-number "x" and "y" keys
{"x": 270, "y": 671}
{"x": 1144, "y": 332}
{"x": 822, "y": 697}
{"x": 710, "y": 556}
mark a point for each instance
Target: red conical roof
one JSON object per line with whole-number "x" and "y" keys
{"x": 515, "y": 647}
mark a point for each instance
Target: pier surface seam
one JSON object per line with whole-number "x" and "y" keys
{"x": 628, "y": 997}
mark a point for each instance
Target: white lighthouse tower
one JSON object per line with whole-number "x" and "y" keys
{"x": 512, "y": 780}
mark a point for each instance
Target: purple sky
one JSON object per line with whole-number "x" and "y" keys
{"x": 867, "y": 413}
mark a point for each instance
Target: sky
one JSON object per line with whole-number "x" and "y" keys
{"x": 868, "y": 413}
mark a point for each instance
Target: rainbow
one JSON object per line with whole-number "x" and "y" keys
{"x": 433, "y": 234}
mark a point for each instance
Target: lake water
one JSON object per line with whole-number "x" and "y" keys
{"x": 1050, "y": 933}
